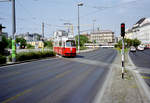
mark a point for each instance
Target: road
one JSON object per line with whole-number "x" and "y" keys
{"x": 56, "y": 80}
{"x": 142, "y": 60}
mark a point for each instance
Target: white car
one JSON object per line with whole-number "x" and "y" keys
{"x": 141, "y": 47}
{"x": 132, "y": 49}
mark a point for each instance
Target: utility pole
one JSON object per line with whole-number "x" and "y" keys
{"x": 43, "y": 30}
{"x": 13, "y": 32}
{"x": 43, "y": 35}
{"x": 93, "y": 24}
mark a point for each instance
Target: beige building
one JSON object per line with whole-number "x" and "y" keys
{"x": 103, "y": 37}
{"x": 36, "y": 44}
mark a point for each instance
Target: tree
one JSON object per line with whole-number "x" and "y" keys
{"x": 9, "y": 43}
{"x": 3, "y": 44}
{"x": 83, "y": 40}
{"x": 21, "y": 42}
{"x": 48, "y": 44}
{"x": 128, "y": 43}
{"x": 136, "y": 42}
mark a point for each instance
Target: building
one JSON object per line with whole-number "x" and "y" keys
{"x": 30, "y": 37}
{"x": 140, "y": 31}
{"x": 103, "y": 37}
{"x": 36, "y": 44}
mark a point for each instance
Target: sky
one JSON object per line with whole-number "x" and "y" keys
{"x": 107, "y": 14}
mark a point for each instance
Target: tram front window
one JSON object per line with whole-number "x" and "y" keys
{"x": 70, "y": 43}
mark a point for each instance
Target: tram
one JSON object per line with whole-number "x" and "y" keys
{"x": 64, "y": 44}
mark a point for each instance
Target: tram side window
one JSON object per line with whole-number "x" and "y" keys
{"x": 60, "y": 43}
{"x": 63, "y": 44}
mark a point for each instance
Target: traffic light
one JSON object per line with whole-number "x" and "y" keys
{"x": 1, "y": 27}
{"x": 122, "y": 29}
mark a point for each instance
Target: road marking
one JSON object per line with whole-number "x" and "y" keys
{"x": 16, "y": 96}
{"x": 145, "y": 77}
{"x": 61, "y": 75}
{"x": 29, "y": 90}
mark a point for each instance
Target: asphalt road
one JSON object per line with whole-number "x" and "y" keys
{"x": 142, "y": 60}
{"x": 56, "y": 80}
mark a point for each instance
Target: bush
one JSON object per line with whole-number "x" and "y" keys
{"x": 33, "y": 55}
{"x": 3, "y": 45}
{"x": 2, "y": 59}
{"x": 29, "y": 46}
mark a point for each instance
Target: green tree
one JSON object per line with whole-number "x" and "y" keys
{"x": 83, "y": 40}
{"x": 9, "y": 43}
{"x": 3, "y": 44}
{"x": 128, "y": 43}
{"x": 136, "y": 42}
{"x": 22, "y": 42}
{"x": 48, "y": 44}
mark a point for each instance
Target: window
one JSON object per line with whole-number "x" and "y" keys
{"x": 70, "y": 43}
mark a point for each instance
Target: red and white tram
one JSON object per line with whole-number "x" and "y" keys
{"x": 64, "y": 44}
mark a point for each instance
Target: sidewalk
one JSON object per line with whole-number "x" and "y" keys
{"x": 120, "y": 90}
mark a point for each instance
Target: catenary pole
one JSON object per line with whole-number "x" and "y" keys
{"x": 13, "y": 32}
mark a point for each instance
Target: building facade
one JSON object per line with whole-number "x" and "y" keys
{"x": 140, "y": 31}
{"x": 103, "y": 37}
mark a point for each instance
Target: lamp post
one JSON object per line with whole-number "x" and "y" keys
{"x": 79, "y": 4}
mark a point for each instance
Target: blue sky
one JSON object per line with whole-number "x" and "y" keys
{"x": 108, "y": 14}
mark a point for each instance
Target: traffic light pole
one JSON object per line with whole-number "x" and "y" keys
{"x": 123, "y": 66}
{"x": 13, "y": 32}
{"x": 122, "y": 53}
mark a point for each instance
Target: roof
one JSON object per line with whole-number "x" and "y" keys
{"x": 141, "y": 20}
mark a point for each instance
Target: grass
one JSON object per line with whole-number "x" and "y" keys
{"x": 125, "y": 50}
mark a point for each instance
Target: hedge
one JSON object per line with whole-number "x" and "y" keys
{"x": 33, "y": 55}
{"x": 2, "y": 59}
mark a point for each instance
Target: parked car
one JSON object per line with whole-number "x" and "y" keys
{"x": 141, "y": 47}
{"x": 132, "y": 49}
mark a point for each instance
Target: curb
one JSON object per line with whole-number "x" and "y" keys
{"x": 31, "y": 60}
{"x": 143, "y": 87}
{"x": 37, "y": 59}
{"x": 82, "y": 51}
{"x": 107, "y": 82}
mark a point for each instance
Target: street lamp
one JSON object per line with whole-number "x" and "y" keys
{"x": 79, "y": 4}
